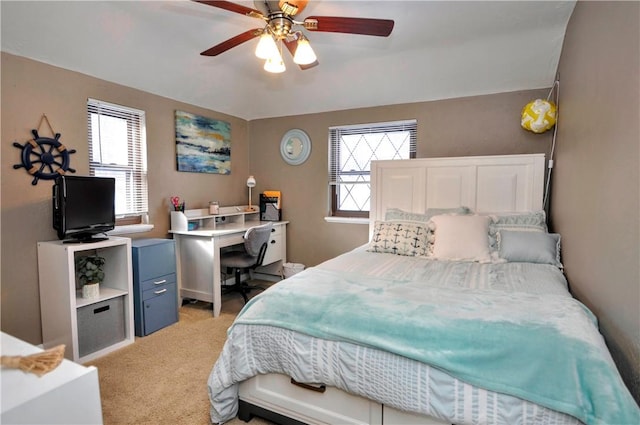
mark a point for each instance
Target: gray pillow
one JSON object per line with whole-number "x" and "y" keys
{"x": 535, "y": 221}
{"x": 530, "y": 247}
{"x": 398, "y": 214}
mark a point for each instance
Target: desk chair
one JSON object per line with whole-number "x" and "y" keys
{"x": 256, "y": 240}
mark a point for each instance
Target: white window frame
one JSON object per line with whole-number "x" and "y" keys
{"x": 339, "y": 179}
{"x": 132, "y": 203}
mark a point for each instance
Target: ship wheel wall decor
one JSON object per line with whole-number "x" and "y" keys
{"x": 44, "y": 157}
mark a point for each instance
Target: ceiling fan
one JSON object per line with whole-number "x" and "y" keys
{"x": 282, "y": 27}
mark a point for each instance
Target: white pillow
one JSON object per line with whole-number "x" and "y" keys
{"x": 461, "y": 237}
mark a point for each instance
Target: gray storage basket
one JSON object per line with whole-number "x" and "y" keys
{"x": 100, "y": 325}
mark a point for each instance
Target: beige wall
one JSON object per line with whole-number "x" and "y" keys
{"x": 469, "y": 126}
{"x": 482, "y": 125}
{"x": 595, "y": 197}
{"x": 30, "y": 89}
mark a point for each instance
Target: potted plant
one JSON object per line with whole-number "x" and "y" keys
{"x": 90, "y": 274}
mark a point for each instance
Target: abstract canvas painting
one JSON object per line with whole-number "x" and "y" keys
{"x": 203, "y": 145}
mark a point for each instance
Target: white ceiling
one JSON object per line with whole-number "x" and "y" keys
{"x": 437, "y": 50}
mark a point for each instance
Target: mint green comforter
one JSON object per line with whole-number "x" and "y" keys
{"x": 539, "y": 347}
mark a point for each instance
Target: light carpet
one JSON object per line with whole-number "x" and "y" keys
{"x": 162, "y": 377}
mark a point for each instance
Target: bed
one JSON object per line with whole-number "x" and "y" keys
{"x": 456, "y": 311}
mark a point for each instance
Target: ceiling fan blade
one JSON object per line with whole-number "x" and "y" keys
{"x": 232, "y": 42}
{"x": 292, "y": 45}
{"x": 364, "y": 26}
{"x": 233, "y": 7}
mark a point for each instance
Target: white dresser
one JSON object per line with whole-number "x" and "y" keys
{"x": 69, "y": 394}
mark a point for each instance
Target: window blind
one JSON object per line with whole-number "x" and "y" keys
{"x": 117, "y": 148}
{"x": 339, "y": 153}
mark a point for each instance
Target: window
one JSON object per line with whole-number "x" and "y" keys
{"x": 351, "y": 150}
{"x": 117, "y": 148}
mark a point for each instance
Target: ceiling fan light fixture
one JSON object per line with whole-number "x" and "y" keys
{"x": 288, "y": 8}
{"x": 280, "y": 27}
{"x": 266, "y": 47}
{"x": 304, "y": 53}
{"x": 275, "y": 65}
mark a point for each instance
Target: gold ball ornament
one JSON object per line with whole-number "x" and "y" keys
{"x": 539, "y": 116}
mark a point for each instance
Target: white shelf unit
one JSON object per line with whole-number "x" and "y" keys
{"x": 63, "y": 309}
{"x": 200, "y": 219}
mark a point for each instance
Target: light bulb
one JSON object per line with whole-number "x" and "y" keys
{"x": 275, "y": 65}
{"x": 304, "y": 53}
{"x": 266, "y": 47}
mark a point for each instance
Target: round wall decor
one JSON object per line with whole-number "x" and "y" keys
{"x": 295, "y": 147}
{"x": 44, "y": 157}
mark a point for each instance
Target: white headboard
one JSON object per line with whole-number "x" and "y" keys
{"x": 486, "y": 184}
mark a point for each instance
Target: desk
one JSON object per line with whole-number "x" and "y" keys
{"x": 198, "y": 255}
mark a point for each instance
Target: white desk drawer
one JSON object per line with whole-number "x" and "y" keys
{"x": 274, "y": 249}
{"x": 276, "y": 230}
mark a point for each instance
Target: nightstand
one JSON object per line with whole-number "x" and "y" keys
{"x": 155, "y": 296}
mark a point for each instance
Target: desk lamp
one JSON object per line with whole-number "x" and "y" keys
{"x": 251, "y": 182}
